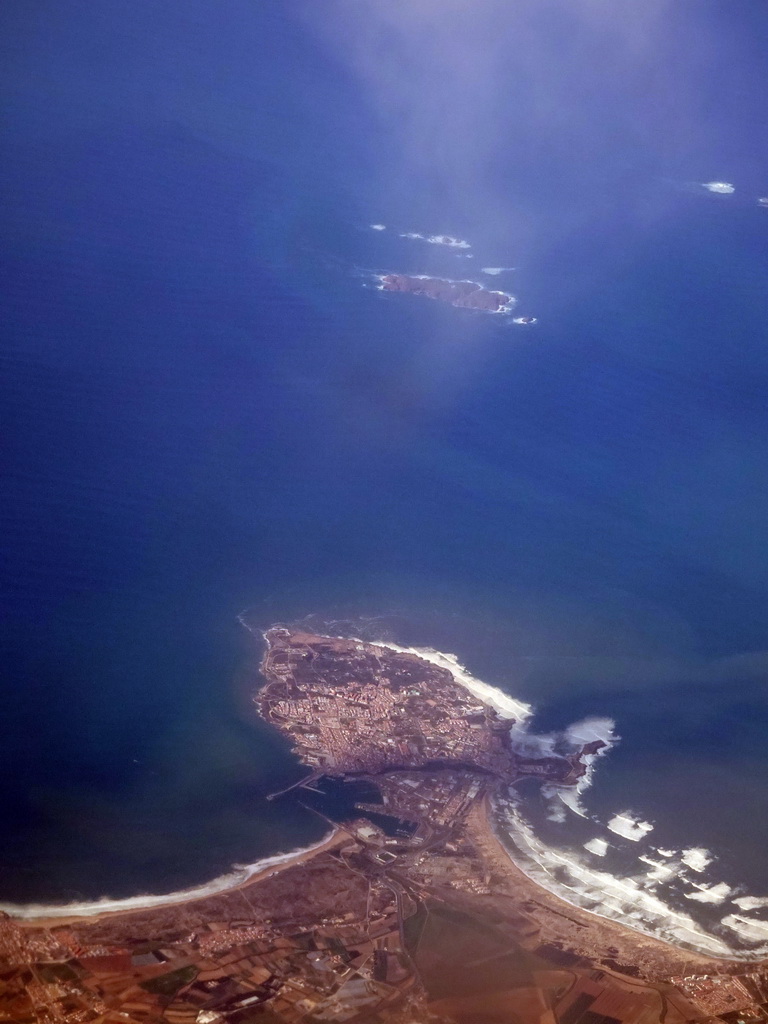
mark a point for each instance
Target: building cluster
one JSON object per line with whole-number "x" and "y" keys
{"x": 318, "y": 958}
{"x": 351, "y": 936}
{"x": 739, "y": 999}
{"x": 350, "y": 707}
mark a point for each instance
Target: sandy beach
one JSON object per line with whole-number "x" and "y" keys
{"x": 139, "y": 905}
{"x": 586, "y": 934}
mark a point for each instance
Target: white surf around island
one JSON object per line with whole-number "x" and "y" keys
{"x": 723, "y": 188}
{"x": 505, "y": 309}
{"x": 238, "y": 876}
{"x": 448, "y": 240}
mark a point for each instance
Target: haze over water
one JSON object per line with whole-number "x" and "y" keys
{"x": 208, "y": 407}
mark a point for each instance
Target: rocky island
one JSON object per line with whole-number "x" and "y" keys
{"x": 410, "y": 912}
{"x": 465, "y": 294}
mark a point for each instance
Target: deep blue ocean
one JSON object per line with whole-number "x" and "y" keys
{"x": 207, "y": 406}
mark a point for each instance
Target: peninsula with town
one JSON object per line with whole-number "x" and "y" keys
{"x": 411, "y": 910}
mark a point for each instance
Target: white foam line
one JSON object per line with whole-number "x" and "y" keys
{"x": 696, "y": 858}
{"x": 556, "y": 812}
{"x": 717, "y": 893}
{"x": 576, "y": 735}
{"x": 618, "y": 899}
{"x": 569, "y": 797}
{"x": 723, "y": 188}
{"x": 629, "y": 826}
{"x": 661, "y": 871}
{"x": 518, "y": 712}
{"x": 751, "y": 902}
{"x": 448, "y": 240}
{"x": 749, "y": 929}
{"x": 597, "y": 846}
{"x": 502, "y": 703}
{"x": 237, "y": 877}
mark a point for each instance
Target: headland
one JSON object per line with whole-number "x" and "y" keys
{"x": 357, "y": 709}
{"x": 412, "y": 910}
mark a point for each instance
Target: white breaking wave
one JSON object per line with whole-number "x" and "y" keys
{"x": 378, "y": 227}
{"x": 717, "y": 893}
{"x": 449, "y": 240}
{"x": 589, "y": 730}
{"x": 696, "y": 858}
{"x": 570, "y": 797}
{"x": 625, "y": 900}
{"x": 597, "y": 846}
{"x": 518, "y": 712}
{"x": 751, "y": 902}
{"x": 240, "y": 874}
{"x": 628, "y": 825}
{"x": 661, "y": 871}
{"x": 749, "y": 929}
{"x": 557, "y": 813}
{"x": 504, "y": 705}
{"x": 723, "y": 188}
{"x": 576, "y": 736}
{"x": 495, "y": 271}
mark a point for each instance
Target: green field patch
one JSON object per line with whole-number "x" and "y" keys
{"x": 169, "y": 984}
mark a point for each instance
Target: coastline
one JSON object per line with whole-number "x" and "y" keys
{"x": 36, "y": 915}
{"x": 527, "y": 884}
{"x": 696, "y": 940}
{"x": 504, "y": 705}
{"x": 636, "y": 945}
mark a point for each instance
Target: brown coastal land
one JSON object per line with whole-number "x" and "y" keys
{"x": 466, "y": 294}
{"x": 410, "y": 913}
